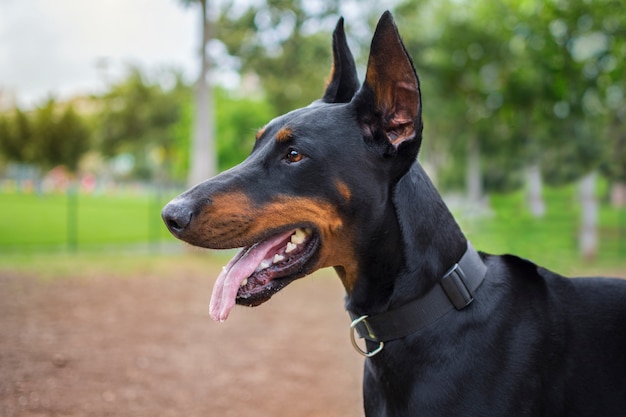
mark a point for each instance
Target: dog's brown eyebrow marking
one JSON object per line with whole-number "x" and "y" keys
{"x": 260, "y": 132}
{"x": 284, "y": 135}
{"x": 343, "y": 189}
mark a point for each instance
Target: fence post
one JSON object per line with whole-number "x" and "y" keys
{"x": 154, "y": 219}
{"x": 72, "y": 216}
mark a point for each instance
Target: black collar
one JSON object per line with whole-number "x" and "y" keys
{"x": 455, "y": 291}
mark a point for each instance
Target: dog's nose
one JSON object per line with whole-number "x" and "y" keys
{"x": 177, "y": 216}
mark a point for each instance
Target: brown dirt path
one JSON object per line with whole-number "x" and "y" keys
{"x": 145, "y": 346}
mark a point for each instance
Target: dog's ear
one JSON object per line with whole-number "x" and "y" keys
{"x": 389, "y": 102}
{"x": 343, "y": 82}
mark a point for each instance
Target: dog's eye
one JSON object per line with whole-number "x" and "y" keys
{"x": 293, "y": 156}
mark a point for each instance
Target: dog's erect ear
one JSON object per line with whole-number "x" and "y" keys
{"x": 389, "y": 101}
{"x": 343, "y": 81}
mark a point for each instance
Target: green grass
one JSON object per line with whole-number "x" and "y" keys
{"x": 551, "y": 241}
{"x": 30, "y": 222}
{"x": 34, "y": 232}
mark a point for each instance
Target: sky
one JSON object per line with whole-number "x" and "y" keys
{"x": 63, "y": 48}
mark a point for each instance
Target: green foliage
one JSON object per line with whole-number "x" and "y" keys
{"x": 274, "y": 40}
{"x": 614, "y": 164}
{"x": 150, "y": 118}
{"x": 141, "y": 116}
{"x": 532, "y": 81}
{"x": 147, "y": 117}
{"x": 59, "y": 139}
{"x": 16, "y": 137}
{"x": 48, "y": 136}
{"x": 238, "y": 121}
{"x": 178, "y": 161}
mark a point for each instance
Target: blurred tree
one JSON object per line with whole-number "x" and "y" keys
{"x": 461, "y": 59}
{"x": 240, "y": 118}
{"x": 139, "y": 116}
{"x": 18, "y": 147}
{"x": 60, "y": 138}
{"x": 613, "y": 87}
{"x": 151, "y": 119}
{"x": 203, "y": 162}
{"x": 614, "y": 167}
{"x": 16, "y": 137}
{"x": 525, "y": 93}
{"x": 528, "y": 85}
{"x": 285, "y": 42}
{"x": 578, "y": 63}
{"x": 75, "y": 139}
{"x": 47, "y": 137}
{"x": 568, "y": 133}
{"x": 178, "y": 158}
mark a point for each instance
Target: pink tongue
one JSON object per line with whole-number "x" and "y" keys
{"x": 238, "y": 269}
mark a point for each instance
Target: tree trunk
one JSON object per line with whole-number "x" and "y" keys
{"x": 474, "y": 181}
{"x": 618, "y": 194}
{"x": 588, "y": 236}
{"x": 535, "y": 193}
{"x": 203, "y": 158}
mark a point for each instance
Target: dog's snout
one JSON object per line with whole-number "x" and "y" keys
{"x": 177, "y": 216}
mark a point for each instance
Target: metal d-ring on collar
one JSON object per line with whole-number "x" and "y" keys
{"x": 456, "y": 290}
{"x": 365, "y": 353}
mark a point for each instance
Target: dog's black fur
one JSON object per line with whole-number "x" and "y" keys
{"x": 532, "y": 343}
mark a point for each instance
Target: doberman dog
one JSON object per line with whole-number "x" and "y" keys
{"x": 448, "y": 331}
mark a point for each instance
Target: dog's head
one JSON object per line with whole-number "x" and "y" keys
{"x": 316, "y": 183}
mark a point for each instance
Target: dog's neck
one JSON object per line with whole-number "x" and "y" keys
{"x": 422, "y": 241}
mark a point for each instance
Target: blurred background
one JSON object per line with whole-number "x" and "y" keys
{"x": 110, "y": 109}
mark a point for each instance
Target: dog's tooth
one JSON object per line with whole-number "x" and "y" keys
{"x": 265, "y": 264}
{"x": 244, "y": 282}
{"x": 298, "y": 237}
{"x": 290, "y": 247}
{"x": 278, "y": 258}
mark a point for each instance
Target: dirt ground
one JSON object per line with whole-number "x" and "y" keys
{"x": 145, "y": 346}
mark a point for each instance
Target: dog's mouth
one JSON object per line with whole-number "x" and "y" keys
{"x": 260, "y": 270}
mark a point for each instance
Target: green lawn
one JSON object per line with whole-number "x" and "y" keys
{"x": 551, "y": 241}
{"x": 31, "y": 225}
{"x": 30, "y": 222}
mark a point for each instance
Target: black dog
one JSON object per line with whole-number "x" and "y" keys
{"x": 449, "y": 332}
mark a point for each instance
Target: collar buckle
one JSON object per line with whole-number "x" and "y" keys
{"x": 454, "y": 283}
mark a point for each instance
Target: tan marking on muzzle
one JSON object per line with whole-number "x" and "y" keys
{"x": 233, "y": 220}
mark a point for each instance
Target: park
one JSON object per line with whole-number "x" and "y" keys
{"x": 103, "y": 312}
